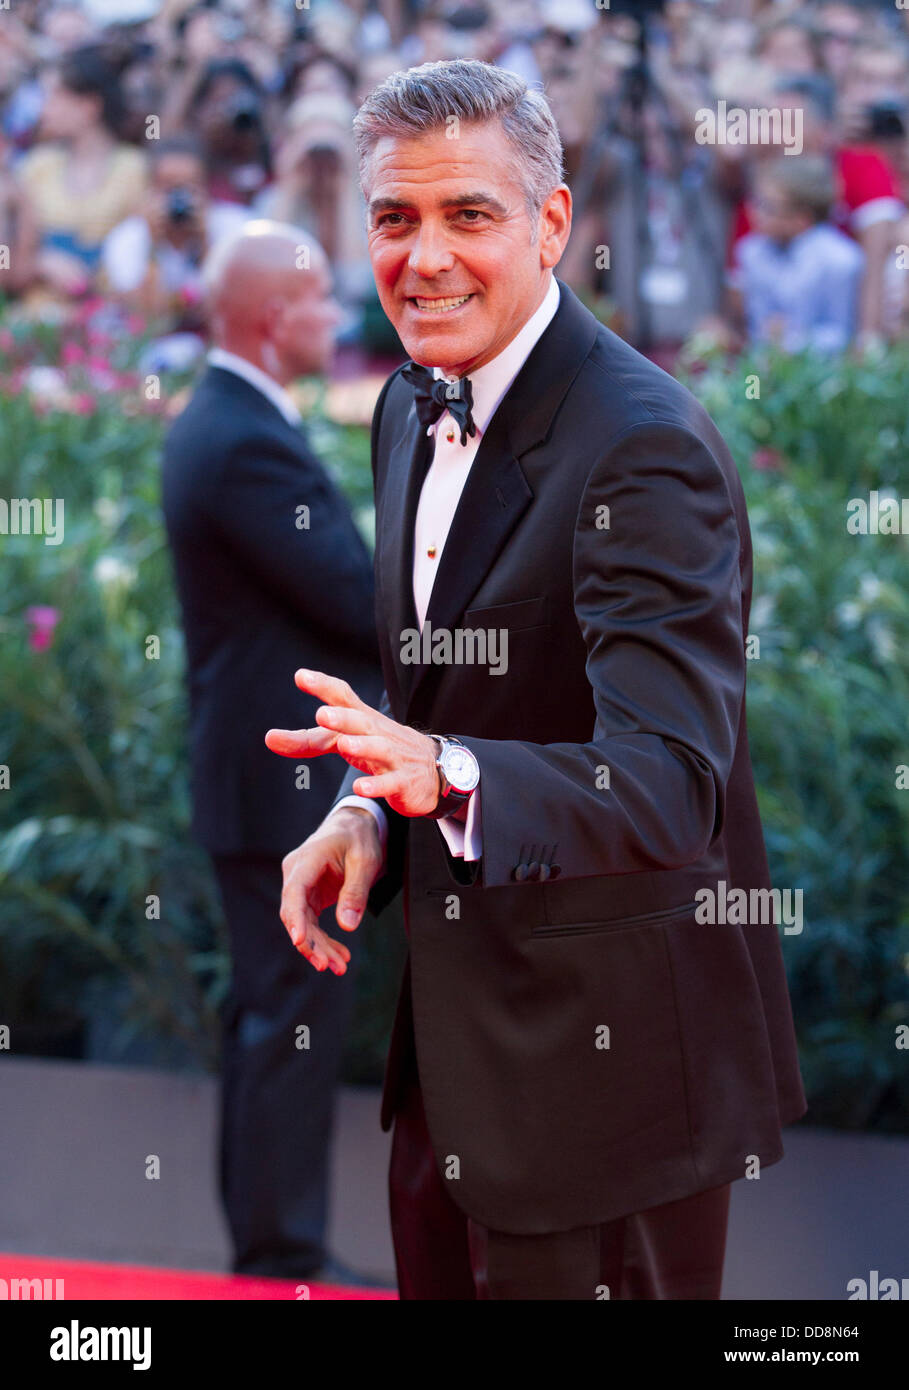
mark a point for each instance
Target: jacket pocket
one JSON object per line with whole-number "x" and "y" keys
{"x": 641, "y": 919}
{"x": 527, "y": 612}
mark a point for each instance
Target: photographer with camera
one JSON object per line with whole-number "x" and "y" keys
{"x": 228, "y": 109}
{"x": 152, "y": 261}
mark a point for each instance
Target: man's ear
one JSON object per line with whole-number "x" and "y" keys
{"x": 555, "y": 226}
{"x": 272, "y": 316}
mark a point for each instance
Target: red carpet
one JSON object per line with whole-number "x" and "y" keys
{"x": 82, "y": 1279}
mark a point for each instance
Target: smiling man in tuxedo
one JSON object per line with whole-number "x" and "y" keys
{"x": 579, "y": 1068}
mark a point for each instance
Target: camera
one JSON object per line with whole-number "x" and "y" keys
{"x": 180, "y": 206}
{"x": 244, "y": 112}
{"x": 886, "y": 120}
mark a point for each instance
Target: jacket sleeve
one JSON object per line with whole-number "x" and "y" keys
{"x": 658, "y": 599}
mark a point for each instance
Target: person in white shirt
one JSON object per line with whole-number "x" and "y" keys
{"x": 796, "y": 279}
{"x": 153, "y": 261}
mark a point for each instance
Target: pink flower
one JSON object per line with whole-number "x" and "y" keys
{"x": 72, "y": 353}
{"x": 101, "y": 374}
{"x": 87, "y": 310}
{"x": 41, "y": 620}
{"x": 82, "y": 403}
{"x": 7, "y": 340}
{"x": 98, "y": 338}
{"x": 135, "y": 324}
{"x": 767, "y": 460}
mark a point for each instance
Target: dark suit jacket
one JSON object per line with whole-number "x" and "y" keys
{"x": 626, "y": 650}
{"x": 261, "y": 597}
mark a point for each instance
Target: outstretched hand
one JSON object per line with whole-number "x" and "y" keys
{"x": 400, "y": 761}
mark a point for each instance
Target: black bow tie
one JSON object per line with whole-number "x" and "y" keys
{"x": 434, "y": 395}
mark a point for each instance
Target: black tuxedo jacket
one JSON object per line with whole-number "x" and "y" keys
{"x": 261, "y": 597}
{"x": 626, "y": 652}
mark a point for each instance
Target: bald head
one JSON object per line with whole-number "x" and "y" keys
{"x": 268, "y": 294}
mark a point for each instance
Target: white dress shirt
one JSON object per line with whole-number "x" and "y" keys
{"x": 220, "y": 357}
{"x": 439, "y": 497}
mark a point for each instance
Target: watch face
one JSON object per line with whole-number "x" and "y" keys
{"x": 462, "y": 771}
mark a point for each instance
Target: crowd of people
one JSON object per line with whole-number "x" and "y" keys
{"x": 134, "y": 135}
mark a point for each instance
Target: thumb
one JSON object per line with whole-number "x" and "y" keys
{"x": 354, "y": 894}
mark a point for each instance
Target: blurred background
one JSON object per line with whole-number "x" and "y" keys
{"x": 134, "y": 134}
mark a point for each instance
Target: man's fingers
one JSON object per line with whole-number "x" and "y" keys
{"x": 359, "y": 877}
{"x": 331, "y": 690}
{"x": 386, "y": 785}
{"x": 373, "y": 753}
{"x": 347, "y": 721}
{"x": 295, "y": 911}
{"x": 323, "y": 953}
{"x": 319, "y": 949}
{"x": 302, "y": 923}
{"x": 301, "y": 743}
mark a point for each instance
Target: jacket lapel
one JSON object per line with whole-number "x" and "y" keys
{"x": 407, "y": 464}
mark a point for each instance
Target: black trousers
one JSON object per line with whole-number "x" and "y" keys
{"x": 673, "y": 1251}
{"x": 278, "y": 1079}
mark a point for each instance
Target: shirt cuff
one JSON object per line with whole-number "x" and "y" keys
{"x": 465, "y": 838}
{"x": 368, "y": 804}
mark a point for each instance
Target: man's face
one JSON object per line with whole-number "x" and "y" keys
{"x": 840, "y": 29}
{"x": 774, "y": 216}
{"x": 788, "y": 49}
{"x": 228, "y": 116}
{"x": 450, "y": 244}
{"x": 179, "y": 170}
{"x": 66, "y": 113}
{"x": 303, "y": 333}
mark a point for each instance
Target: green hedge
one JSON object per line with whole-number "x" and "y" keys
{"x": 108, "y": 911}
{"x": 828, "y": 704}
{"x": 94, "y": 822}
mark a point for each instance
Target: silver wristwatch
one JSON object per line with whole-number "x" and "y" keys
{"x": 459, "y": 775}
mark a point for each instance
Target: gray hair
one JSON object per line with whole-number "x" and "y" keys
{"x": 427, "y": 98}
